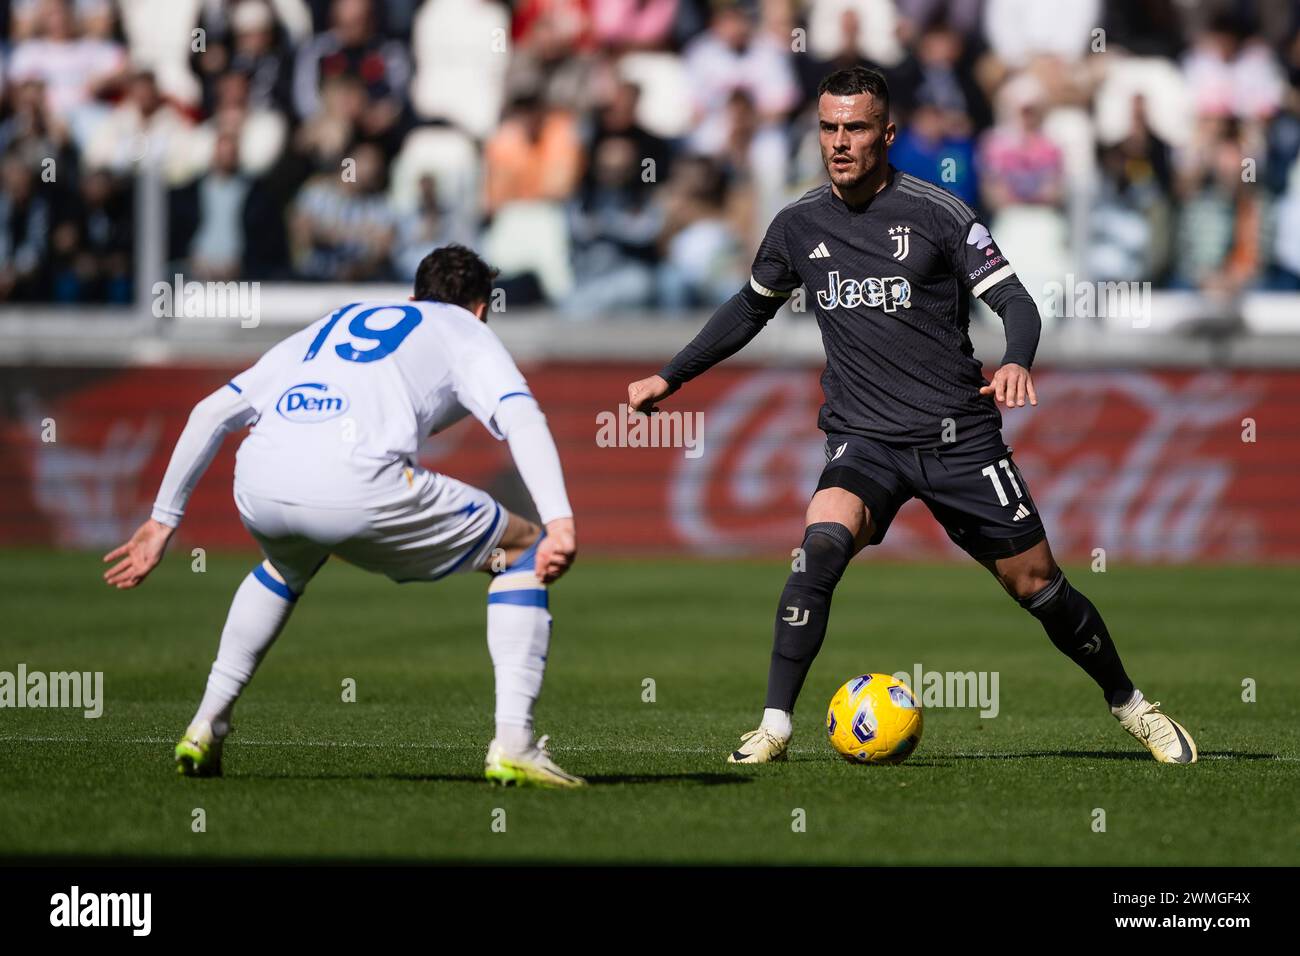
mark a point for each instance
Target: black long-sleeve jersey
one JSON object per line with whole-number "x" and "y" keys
{"x": 889, "y": 282}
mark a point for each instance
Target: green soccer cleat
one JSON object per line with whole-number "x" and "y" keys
{"x": 198, "y": 753}
{"x": 532, "y": 769}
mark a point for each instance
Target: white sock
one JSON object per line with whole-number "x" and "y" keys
{"x": 257, "y": 615}
{"x": 514, "y": 740}
{"x": 1135, "y": 699}
{"x": 778, "y": 721}
{"x": 518, "y": 636}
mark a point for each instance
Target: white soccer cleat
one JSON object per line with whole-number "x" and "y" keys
{"x": 534, "y": 768}
{"x": 760, "y": 746}
{"x": 1168, "y": 740}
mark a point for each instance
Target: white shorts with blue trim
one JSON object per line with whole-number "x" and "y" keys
{"x": 442, "y": 527}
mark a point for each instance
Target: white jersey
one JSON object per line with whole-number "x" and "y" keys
{"x": 343, "y": 405}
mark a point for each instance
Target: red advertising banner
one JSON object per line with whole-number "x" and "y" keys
{"x": 1152, "y": 466}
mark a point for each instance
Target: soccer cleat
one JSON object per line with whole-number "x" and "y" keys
{"x": 1168, "y": 740}
{"x": 198, "y": 754}
{"x": 759, "y": 746}
{"x": 532, "y": 769}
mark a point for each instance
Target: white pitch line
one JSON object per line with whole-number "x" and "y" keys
{"x": 577, "y": 748}
{"x": 341, "y": 743}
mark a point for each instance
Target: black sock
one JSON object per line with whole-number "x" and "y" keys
{"x": 1077, "y": 630}
{"x": 805, "y": 609}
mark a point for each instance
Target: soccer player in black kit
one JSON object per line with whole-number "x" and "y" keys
{"x": 888, "y": 260}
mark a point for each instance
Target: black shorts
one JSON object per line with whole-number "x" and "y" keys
{"x": 973, "y": 489}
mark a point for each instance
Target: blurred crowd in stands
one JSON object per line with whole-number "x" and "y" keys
{"x": 626, "y": 154}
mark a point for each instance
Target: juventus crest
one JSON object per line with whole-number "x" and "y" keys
{"x": 902, "y": 241}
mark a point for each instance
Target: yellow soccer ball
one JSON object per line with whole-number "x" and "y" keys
{"x": 874, "y": 718}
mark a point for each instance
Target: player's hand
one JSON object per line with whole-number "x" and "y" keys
{"x": 138, "y": 556}
{"x": 556, "y": 553}
{"x": 1011, "y": 385}
{"x": 642, "y": 395}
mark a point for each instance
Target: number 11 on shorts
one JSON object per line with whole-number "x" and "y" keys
{"x": 992, "y": 473}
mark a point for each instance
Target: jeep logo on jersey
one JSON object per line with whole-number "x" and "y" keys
{"x": 311, "y": 402}
{"x": 887, "y": 293}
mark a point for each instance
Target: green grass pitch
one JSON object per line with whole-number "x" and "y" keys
{"x": 396, "y": 776}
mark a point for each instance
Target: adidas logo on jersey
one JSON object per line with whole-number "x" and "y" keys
{"x": 821, "y": 252}
{"x": 1021, "y": 512}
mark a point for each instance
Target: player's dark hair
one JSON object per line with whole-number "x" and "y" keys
{"x": 855, "y": 81}
{"x": 454, "y": 274}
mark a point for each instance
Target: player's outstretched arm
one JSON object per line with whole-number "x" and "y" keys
{"x": 138, "y": 556}
{"x": 729, "y": 329}
{"x": 524, "y": 427}
{"x": 219, "y": 413}
{"x": 645, "y": 394}
{"x": 558, "y": 549}
{"x": 1012, "y": 384}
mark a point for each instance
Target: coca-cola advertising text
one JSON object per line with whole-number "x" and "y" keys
{"x": 1151, "y": 466}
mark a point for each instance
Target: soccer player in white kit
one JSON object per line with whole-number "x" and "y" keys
{"x": 338, "y": 411}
